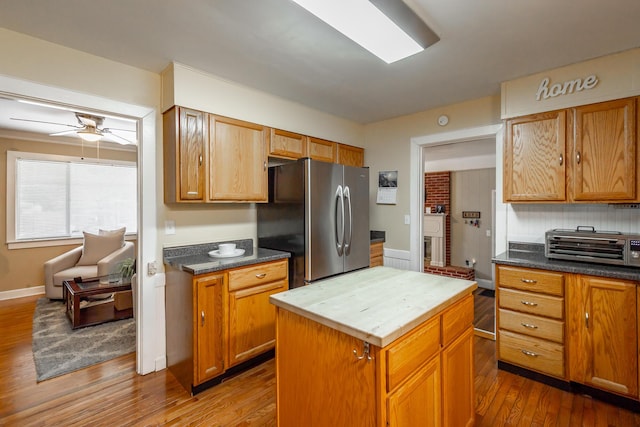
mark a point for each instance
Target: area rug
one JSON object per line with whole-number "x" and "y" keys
{"x": 58, "y": 349}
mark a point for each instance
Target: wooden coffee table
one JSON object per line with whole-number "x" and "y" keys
{"x": 73, "y": 293}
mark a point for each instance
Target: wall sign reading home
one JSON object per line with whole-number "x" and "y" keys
{"x": 570, "y": 86}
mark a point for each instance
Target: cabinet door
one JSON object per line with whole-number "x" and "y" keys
{"x": 238, "y": 160}
{"x": 184, "y": 154}
{"x": 376, "y": 254}
{"x": 534, "y": 158}
{"x": 604, "y": 151}
{"x": 458, "y": 382}
{"x": 252, "y": 321}
{"x": 320, "y": 149}
{"x": 209, "y": 317}
{"x": 417, "y": 401}
{"x": 350, "y": 156}
{"x": 603, "y": 334}
{"x": 287, "y": 145}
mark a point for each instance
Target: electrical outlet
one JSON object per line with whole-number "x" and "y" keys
{"x": 169, "y": 227}
{"x": 152, "y": 268}
{"x": 488, "y": 233}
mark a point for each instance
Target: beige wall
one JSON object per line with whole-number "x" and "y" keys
{"x": 387, "y": 147}
{"x": 22, "y": 268}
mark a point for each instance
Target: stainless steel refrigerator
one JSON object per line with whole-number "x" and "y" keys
{"x": 319, "y": 212}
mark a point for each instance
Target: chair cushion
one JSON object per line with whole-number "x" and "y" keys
{"x": 84, "y": 271}
{"x": 98, "y": 246}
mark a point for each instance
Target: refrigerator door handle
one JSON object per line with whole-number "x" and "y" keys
{"x": 347, "y": 243}
{"x": 339, "y": 234}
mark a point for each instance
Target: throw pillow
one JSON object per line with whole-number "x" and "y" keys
{"x": 96, "y": 247}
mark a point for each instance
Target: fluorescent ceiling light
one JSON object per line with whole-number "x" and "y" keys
{"x": 366, "y": 25}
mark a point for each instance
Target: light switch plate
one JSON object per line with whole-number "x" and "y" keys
{"x": 170, "y": 227}
{"x": 407, "y": 219}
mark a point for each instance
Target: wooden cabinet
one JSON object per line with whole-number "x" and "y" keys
{"x": 209, "y": 343}
{"x": 531, "y": 319}
{"x": 238, "y": 160}
{"x": 321, "y": 149}
{"x": 251, "y": 316}
{"x": 185, "y": 155}
{"x": 350, "y": 156}
{"x": 376, "y": 254}
{"x": 583, "y": 154}
{"x": 217, "y": 321}
{"x": 604, "y": 157}
{"x": 534, "y": 158}
{"x": 209, "y": 158}
{"x": 424, "y": 378}
{"x": 603, "y": 334}
{"x": 287, "y": 145}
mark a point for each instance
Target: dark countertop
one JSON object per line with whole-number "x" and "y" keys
{"x": 377, "y": 236}
{"x": 194, "y": 259}
{"x": 532, "y": 255}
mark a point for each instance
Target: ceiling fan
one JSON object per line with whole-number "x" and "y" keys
{"x": 88, "y": 129}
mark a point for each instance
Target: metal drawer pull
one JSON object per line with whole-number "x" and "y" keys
{"x": 528, "y": 281}
{"x": 531, "y": 304}
{"x": 261, "y": 275}
{"x": 192, "y": 193}
{"x": 529, "y": 353}
{"x": 529, "y": 325}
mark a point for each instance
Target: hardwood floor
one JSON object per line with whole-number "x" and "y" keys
{"x": 484, "y": 311}
{"x": 112, "y": 394}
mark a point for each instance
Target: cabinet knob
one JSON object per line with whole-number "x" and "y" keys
{"x": 561, "y": 159}
{"x": 578, "y": 157}
{"x": 200, "y": 159}
{"x": 586, "y": 319}
{"x": 202, "y": 317}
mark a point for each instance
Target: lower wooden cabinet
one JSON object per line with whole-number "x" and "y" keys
{"x": 252, "y": 318}
{"x": 376, "y": 254}
{"x": 219, "y": 320}
{"x": 603, "y": 333}
{"x": 424, "y": 378}
{"x": 209, "y": 337}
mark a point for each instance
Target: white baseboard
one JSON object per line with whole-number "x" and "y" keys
{"x": 485, "y": 283}
{"x": 20, "y": 293}
{"x": 397, "y": 259}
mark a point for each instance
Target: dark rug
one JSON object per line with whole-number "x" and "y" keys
{"x": 488, "y": 293}
{"x": 58, "y": 349}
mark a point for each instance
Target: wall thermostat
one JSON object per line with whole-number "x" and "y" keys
{"x": 443, "y": 120}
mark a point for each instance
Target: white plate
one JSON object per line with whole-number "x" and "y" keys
{"x": 217, "y": 254}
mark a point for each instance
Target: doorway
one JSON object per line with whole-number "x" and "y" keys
{"x": 459, "y": 150}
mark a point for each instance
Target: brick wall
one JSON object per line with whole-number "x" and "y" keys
{"x": 451, "y": 271}
{"x": 437, "y": 188}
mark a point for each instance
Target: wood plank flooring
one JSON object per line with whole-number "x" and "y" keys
{"x": 484, "y": 311}
{"x": 112, "y": 394}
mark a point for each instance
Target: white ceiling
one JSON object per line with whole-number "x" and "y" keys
{"x": 275, "y": 46}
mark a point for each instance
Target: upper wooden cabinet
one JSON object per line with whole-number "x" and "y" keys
{"x": 350, "y": 156}
{"x": 185, "y": 155}
{"x": 287, "y": 145}
{"x": 534, "y": 158}
{"x": 603, "y": 139}
{"x": 321, "y": 149}
{"x": 238, "y": 160}
{"x": 210, "y": 158}
{"x": 582, "y": 154}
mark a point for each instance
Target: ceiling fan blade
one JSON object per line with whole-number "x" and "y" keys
{"x": 116, "y": 138}
{"x": 49, "y": 123}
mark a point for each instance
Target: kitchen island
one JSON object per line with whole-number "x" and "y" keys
{"x": 376, "y": 347}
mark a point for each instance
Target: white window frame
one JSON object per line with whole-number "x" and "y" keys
{"x": 12, "y": 158}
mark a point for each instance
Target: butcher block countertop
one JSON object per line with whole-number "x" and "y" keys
{"x": 377, "y": 305}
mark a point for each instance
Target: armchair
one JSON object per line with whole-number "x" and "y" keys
{"x": 97, "y": 257}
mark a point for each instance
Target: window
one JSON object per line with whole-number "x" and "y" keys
{"x": 57, "y": 197}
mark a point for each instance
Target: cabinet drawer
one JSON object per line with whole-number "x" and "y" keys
{"x": 534, "y": 326}
{"x": 257, "y": 275}
{"x": 457, "y": 319}
{"x": 531, "y": 280}
{"x": 404, "y": 358}
{"x": 532, "y": 353}
{"x": 526, "y": 302}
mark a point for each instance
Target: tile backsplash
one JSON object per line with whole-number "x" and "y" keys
{"x": 529, "y": 222}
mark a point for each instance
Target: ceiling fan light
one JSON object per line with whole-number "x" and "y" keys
{"x": 89, "y": 136}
